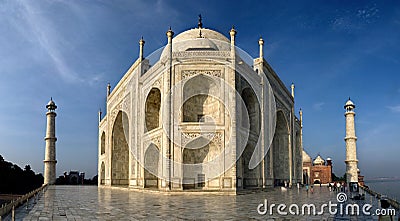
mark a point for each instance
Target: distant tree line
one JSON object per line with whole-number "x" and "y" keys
{"x": 14, "y": 180}
{"x": 338, "y": 179}
{"x": 67, "y": 179}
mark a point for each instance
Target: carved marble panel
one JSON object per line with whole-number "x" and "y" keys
{"x": 189, "y": 73}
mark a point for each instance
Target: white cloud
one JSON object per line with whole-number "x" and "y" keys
{"x": 395, "y": 109}
{"x": 318, "y": 106}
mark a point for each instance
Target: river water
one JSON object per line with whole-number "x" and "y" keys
{"x": 388, "y": 188}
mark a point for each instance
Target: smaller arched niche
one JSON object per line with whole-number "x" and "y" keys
{"x": 194, "y": 156}
{"x": 102, "y": 173}
{"x": 152, "y": 109}
{"x": 103, "y": 143}
{"x": 151, "y": 166}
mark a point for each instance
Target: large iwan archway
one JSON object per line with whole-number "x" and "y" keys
{"x": 297, "y": 158}
{"x": 280, "y": 148}
{"x": 251, "y": 175}
{"x": 120, "y": 150}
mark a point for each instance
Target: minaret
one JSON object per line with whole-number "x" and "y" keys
{"x": 301, "y": 128}
{"x": 292, "y": 87}
{"x": 99, "y": 114}
{"x": 351, "y": 149}
{"x": 108, "y": 89}
{"x": 50, "y": 152}
{"x": 232, "y": 33}
{"x": 261, "y": 43}
{"x": 141, "y": 45}
{"x": 170, "y": 35}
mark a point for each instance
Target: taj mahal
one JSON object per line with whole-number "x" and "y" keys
{"x": 200, "y": 116}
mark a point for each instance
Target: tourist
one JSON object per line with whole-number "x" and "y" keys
{"x": 338, "y": 186}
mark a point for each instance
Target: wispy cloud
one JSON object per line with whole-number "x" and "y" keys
{"x": 349, "y": 20}
{"x": 42, "y": 31}
{"x": 318, "y": 106}
{"x": 395, "y": 109}
{"x": 368, "y": 14}
{"x": 33, "y": 24}
{"x": 273, "y": 47}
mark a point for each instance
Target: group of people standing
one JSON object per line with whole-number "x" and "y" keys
{"x": 336, "y": 187}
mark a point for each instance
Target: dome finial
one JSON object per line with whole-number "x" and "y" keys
{"x": 200, "y": 24}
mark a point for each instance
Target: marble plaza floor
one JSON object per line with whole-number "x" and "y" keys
{"x": 92, "y": 203}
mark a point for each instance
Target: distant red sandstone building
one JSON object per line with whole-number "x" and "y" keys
{"x": 317, "y": 171}
{"x": 360, "y": 178}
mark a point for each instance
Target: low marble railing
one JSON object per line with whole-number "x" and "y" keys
{"x": 392, "y": 202}
{"x": 10, "y": 207}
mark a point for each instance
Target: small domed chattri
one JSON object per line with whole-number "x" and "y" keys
{"x": 319, "y": 161}
{"x": 51, "y": 105}
{"x": 349, "y": 103}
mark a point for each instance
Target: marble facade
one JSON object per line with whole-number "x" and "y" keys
{"x": 197, "y": 118}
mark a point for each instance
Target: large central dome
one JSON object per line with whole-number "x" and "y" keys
{"x": 205, "y": 33}
{"x": 199, "y": 39}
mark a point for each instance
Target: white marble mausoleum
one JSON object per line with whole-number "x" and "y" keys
{"x": 200, "y": 115}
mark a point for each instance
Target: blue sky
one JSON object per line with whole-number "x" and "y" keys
{"x": 70, "y": 50}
